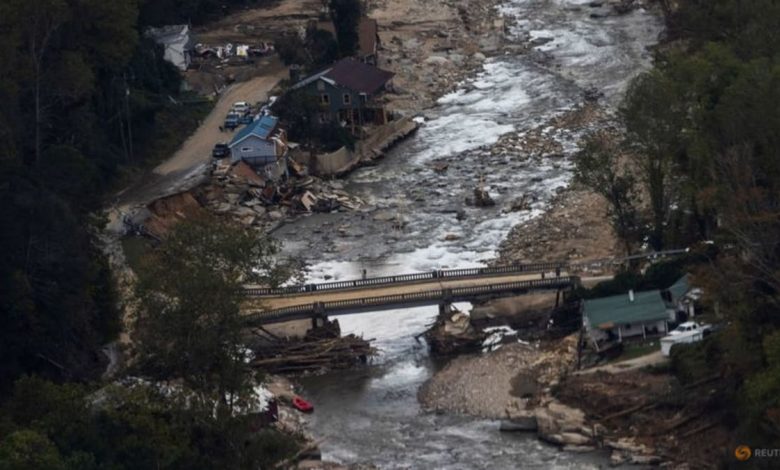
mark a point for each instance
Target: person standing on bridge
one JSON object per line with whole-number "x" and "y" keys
{"x": 364, "y": 274}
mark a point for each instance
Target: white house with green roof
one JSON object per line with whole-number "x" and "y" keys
{"x": 636, "y": 313}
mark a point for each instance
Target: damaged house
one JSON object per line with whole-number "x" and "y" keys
{"x": 349, "y": 92}
{"x": 177, "y": 43}
{"x": 261, "y": 145}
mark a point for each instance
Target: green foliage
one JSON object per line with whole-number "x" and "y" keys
{"x": 189, "y": 292}
{"x": 707, "y": 127}
{"x": 346, "y": 17}
{"x": 317, "y": 50}
{"x": 76, "y": 81}
{"x": 695, "y": 361}
{"x": 125, "y": 427}
{"x": 163, "y": 12}
{"x": 28, "y": 449}
{"x": 291, "y": 49}
{"x": 299, "y": 112}
{"x": 56, "y": 299}
{"x": 322, "y": 48}
{"x": 657, "y": 276}
{"x": 654, "y": 116}
{"x": 597, "y": 167}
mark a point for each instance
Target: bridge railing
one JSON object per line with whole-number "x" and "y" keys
{"x": 448, "y": 274}
{"x": 433, "y": 296}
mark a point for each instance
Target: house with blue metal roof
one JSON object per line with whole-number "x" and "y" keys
{"x": 259, "y": 144}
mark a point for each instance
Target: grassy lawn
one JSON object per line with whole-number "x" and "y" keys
{"x": 638, "y": 349}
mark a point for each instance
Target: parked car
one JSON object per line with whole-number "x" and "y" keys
{"x": 220, "y": 150}
{"x": 231, "y": 121}
{"x": 240, "y": 108}
{"x": 688, "y": 332}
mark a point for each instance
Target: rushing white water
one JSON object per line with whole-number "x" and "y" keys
{"x": 373, "y": 415}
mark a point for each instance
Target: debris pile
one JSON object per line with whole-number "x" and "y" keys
{"x": 238, "y": 191}
{"x": 322, "y": 349}
{"x": 452, "y": 333}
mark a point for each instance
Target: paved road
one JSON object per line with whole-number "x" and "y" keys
{"x": 275, "y": 302}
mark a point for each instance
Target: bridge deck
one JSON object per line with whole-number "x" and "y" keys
{"x": 290, "y": 300}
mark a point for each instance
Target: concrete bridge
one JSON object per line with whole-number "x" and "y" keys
{"x": 268, "y": 305}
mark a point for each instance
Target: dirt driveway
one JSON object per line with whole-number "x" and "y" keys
{"x": 653, "y": 359}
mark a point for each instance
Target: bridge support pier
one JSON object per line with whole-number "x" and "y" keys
{"x": 445, "y": 308}
{"x": 320, "y": 318}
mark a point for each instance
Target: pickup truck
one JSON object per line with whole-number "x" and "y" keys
{"x": 232, "y": 121}
{"x": 688, "y": 332}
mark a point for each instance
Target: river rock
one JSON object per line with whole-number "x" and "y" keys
{"x": 437, "y": 60}
{"x": 574, "y": 439}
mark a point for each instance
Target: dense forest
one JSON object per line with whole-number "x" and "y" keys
{"x": 87, "y": 103}
{"x": 699, "y": 163}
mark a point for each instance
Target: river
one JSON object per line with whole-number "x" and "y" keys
{"x": 372, "y": 414}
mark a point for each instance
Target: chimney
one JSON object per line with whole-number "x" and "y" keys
{"x": 631, "y": 295}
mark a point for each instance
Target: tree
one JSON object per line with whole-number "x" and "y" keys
{"x": 125, "y": 427}
{"x": 28, "y": 449}
{"x": 321, "y": 47}
{"x": 38, "y": 23}
{"x": 346, "y": 16}
{"x": 598, "y": 168}
{"x": 654, "y": 115}
{"x": 188, "y": 323}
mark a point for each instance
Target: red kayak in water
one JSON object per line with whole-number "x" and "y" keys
{"x": 302, "y": 405}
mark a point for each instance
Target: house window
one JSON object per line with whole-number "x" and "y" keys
{"x": 363, "y": 98}
{"x": 628, "y": 326}
{"x": 324, "y": 98}
{"x": 347, "y": 98}
{"x": 246, "y": 149}
{"x": 320, "y": 86}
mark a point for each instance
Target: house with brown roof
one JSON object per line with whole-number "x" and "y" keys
{"x": 368, "y": 37}
{"x": 348, "y": 92}
{"x": 368, "y": 40}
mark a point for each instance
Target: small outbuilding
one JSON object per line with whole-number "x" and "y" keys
{"x": 177, "y": 43}
{"x": 368, "y": 40}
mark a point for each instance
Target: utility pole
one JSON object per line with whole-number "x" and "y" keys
{"x": 129, "y": 120}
